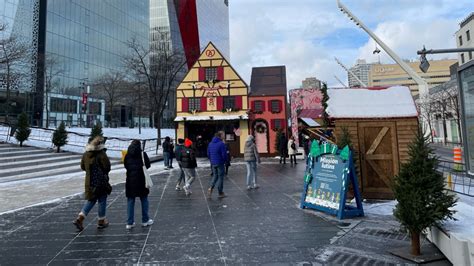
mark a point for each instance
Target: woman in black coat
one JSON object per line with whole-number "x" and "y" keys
{"x": 135, "y": 183}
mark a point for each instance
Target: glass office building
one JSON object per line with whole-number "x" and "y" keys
{"x": 80, "y": 39}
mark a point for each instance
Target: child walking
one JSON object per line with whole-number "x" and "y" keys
{"x": 135, "y": 183}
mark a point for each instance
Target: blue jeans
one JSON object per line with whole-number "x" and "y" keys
{"x": 166, "y": 158}
{"x": 218, "y": 177}
{"x": 101, "y": 209}
{"x": 251, "y": 173}
{"x": 131, "y": 210}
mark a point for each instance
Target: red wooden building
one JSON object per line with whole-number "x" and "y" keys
{"x": 268, "y": 105}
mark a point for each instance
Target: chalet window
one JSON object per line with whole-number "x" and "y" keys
{"x": 211, "y": 73}
{"x": 229, "y": 102}
{"x": 275, "y": 106}
{"x": 258, "y": 106}
{"x": 194, "y": 104}
{"x": 277, "y": 124}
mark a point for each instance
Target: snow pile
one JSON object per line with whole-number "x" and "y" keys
{"x": 463, "y": 227}
{"x": 365, "y": 103}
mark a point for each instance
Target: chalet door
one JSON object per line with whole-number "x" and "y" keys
{"x": 379, "y": 158}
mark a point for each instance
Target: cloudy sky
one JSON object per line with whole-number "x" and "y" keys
{"x": 306, "y": 35}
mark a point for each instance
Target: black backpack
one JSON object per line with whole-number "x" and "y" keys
{"x": 99, "y": 181}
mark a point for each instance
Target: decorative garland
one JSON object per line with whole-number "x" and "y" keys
{"x": 260, "y": 129}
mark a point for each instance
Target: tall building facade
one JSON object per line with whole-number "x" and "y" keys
{"x": 311, "y": 83}
{"x": 185, "y": 27}
{"x": 382, "y": 75}
{"x": 77, "y": 41}
{"x": 464, "y": 39}
{"x": 361, "y": 69}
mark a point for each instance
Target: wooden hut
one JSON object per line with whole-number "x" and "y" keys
{"x": 381, "y": 123}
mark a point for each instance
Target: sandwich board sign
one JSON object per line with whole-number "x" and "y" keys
{"x": 326, "y": 182}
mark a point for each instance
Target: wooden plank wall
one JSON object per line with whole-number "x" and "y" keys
{"x": 405, "y": 127}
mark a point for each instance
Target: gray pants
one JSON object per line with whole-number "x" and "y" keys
{"x": 190, "y": 175}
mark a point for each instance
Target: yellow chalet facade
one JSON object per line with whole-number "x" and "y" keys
{"x": 212, "y": 97}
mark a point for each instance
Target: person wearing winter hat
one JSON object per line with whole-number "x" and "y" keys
{"x": 135, "y": 183}
{"x": 251, "y": 158}
{"x": 189, "y": 164}
{"x": 177, "y": 152}
{"x": 96, "y": 164}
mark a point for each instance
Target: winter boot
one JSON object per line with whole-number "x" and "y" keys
{"x": 209, "y": 191}
{"x": 79, "y": 222}
{"x": 102, "y": 223}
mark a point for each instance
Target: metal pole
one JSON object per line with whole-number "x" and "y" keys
{"x": 140, "y": 112}
{"x": 445, "y": 51}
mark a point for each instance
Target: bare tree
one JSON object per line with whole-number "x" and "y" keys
{"x": 113, "y": 89}
{"x": 12, "y": 54}
{"x": 453, "y": 106}
{"x": 159, "y": 67}
{"x": 52, "y": 70}
{"x": 429, "y": 106}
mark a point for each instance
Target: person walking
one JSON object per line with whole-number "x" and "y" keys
{"x": 177, "y": 152}
{"x": 251, "y": 158}
{"x": 217, "y": 154}
{"x": 172, "y": 155}
{"x": 282, "y": 147}
{"x": 96, "y": 164}
{"x": 292, "y": 150}
{"x": 306, "y": 147}
{"x": 135, "y": 183}
{"x": 189, "y": 164}
{"x": 166, "y": 153}
{"x": 229, "y": 157}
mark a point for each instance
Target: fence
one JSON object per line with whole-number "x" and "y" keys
{"x": 42, "y": 137}
{"x": 456, "y": 177}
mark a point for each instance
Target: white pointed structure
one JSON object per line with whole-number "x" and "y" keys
{"x": 342, "y": 83}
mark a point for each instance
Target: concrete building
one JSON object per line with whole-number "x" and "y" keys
{"x": 464, "y": 38}
{"x": 383, "y": 75}
{"x": 361, "y": 69}
{"x": 311, "y": 82}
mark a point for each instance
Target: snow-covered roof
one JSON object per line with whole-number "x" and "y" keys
{"x": 394, "y": 101}
{"x": 310, "y": 122}
{"x": 211, "y": 117}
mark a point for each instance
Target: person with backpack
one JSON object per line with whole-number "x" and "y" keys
{"x": 292, "y": 150}
{"x": 189, "y": 164}
{"x": 135, "y": 183}
{"x": 96, "y": 164}
{"x": 251, "y": 158}
{"x": 177, "y": 152}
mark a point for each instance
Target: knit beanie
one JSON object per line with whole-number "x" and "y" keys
{"x": 187, "y": 143}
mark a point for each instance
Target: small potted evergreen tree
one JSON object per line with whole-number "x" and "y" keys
{"x": 60, "y": 136}
{"x": 23, "y": 129}
{"x": 96, "y": 131}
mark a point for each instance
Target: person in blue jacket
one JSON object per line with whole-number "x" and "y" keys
{"x": 217, "y": 154}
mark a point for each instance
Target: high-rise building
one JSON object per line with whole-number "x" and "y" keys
{"x": 361, "y": 69}
{"x": 311, "y": 83}
{"x": 186, "y": 27}
{"x": 382, "y": 75}
{"x": 464, "y": 39}
{"x": 82, "y": 39}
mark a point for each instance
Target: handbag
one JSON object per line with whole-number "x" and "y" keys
{"x": 148, "y": 181}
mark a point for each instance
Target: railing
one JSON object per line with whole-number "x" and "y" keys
{"x": 77, "y": 141}
{"x": 456, "y": 177}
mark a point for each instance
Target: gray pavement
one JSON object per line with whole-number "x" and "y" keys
{"x": 263, "y": 226}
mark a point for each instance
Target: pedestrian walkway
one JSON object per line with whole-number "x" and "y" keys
{"x": 262, "y": 226}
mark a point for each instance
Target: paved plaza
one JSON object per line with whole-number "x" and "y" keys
{"x": 263, "y": 226}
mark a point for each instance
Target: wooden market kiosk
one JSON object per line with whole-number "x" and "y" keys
{"x": 212, "y": 97}
{"x": 381, "y": 123}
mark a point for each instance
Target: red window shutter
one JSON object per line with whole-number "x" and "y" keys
{"x": 203, "y": 104}
{"x": 272, "y": 124}
{"x": 280, "y": 106}
{"x": 238, "y": 102}
{"x": 253, "y": 106}
{"x": 220, "y": 103}
{"x": 263, "y": 106}
{"x": 185, "y": 104}
{"x": 202, "y": 74}
{"x": 220, "y": 73}
{"x": 283, "y": 124}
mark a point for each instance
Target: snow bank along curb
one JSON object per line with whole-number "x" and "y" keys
{"x": 458, "y": 251}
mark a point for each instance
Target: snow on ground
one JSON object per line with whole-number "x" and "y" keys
{"x": 128, "y": 133}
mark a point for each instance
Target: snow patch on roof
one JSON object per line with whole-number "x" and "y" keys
{"x": 394, "y": 101}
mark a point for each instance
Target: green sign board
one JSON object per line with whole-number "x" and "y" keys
{"x": 327, "y": 179}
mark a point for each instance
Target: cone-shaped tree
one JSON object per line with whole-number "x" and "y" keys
{"x": 60, "y": 136}
{"x": 344, "y": 139}
{"x": 96, "y": 131}
{"x": 324, "y": 103}
{"x": 419, "y": 190}
{"x": 23, "y": 130}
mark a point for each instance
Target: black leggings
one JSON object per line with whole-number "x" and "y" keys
{"x": 293, "y": 157}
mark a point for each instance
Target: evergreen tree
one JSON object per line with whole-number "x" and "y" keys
{"x": 277, "y": 140}
{"x": 344, "y": 139}
{"x": 419, "y": 190}
{"x": 23, "y": 129}
{"x": 96, "y": 131}
{"x": 324, "y": 103}
{"x": 60, "y": 136}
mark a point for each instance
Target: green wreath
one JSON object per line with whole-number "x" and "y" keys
{"x": 260, "y": 129}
